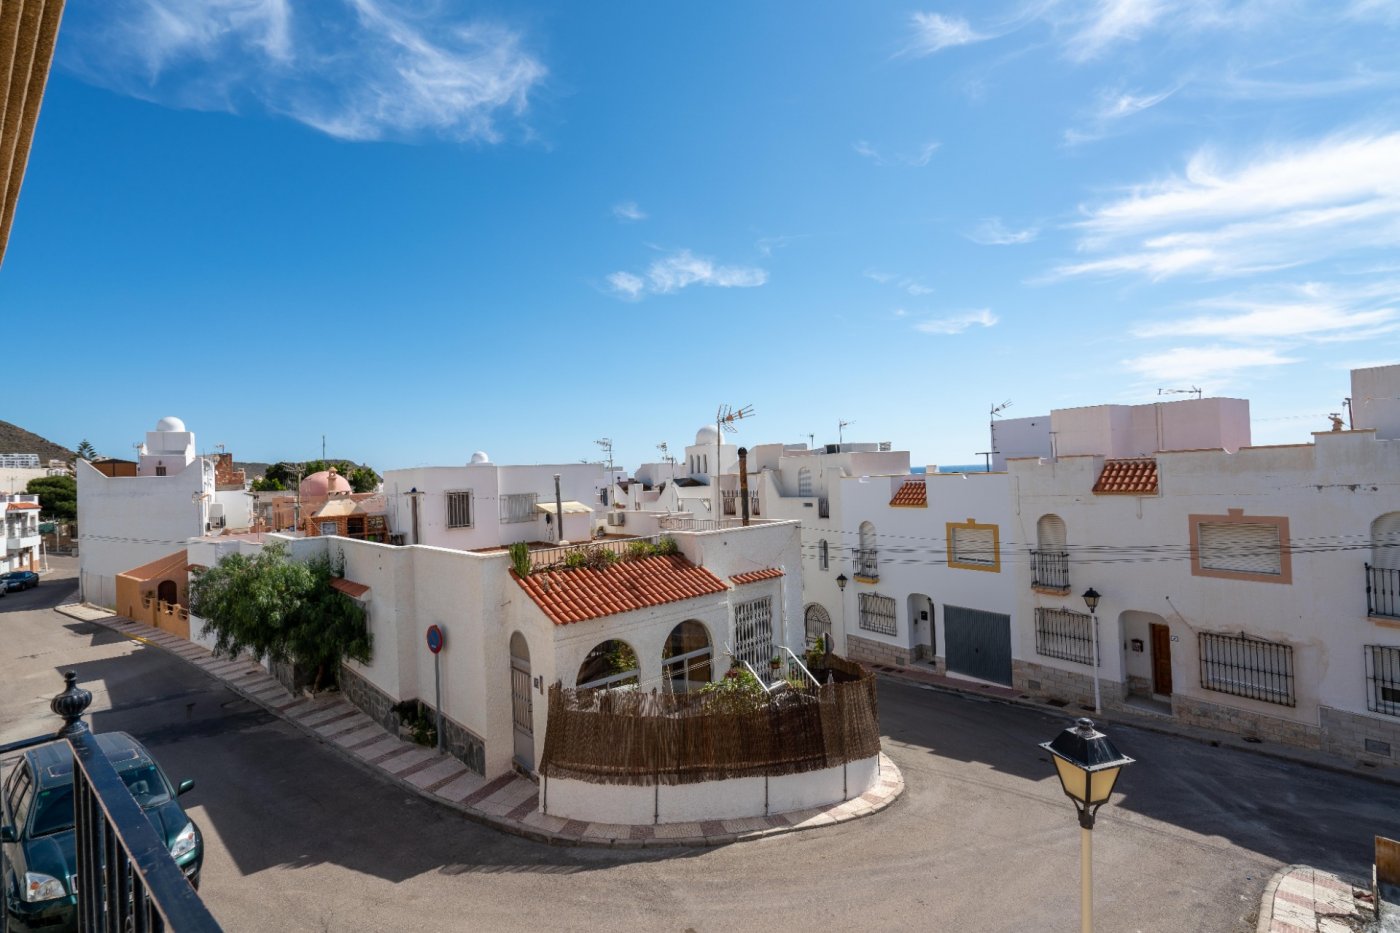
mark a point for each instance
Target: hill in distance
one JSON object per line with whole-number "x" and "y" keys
{"x": 16, "y": 440}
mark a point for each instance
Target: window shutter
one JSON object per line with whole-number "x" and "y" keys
{"x": 1240, "y": 547}
{"x": 1050, "y": 533}
{"x": 1385, "y": 542}
{"x": 974, "y": 546}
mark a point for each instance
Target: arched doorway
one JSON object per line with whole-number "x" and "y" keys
{"x": 167, "y": 592}
{"x": 685, "y": 658}
{"x": 818, "y": 624}
{"x": 1147, "y": 655}
{"x": 612, "y": 663}
{"x": 921, "y": 625}
{"x": 522, "y": 706}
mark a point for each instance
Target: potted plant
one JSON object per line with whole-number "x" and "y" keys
{"x": 775, "y": 664}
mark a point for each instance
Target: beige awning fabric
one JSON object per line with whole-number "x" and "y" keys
{"x": 570, "y": 508}
{"x": 28, "y": 30}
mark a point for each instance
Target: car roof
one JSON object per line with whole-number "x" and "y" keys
{"x": 53, "y": 763}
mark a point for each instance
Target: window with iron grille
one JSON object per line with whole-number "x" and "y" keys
{"x": 823, "y": 555}
{"x": 1240, "y": 547}
{"x": 1065, "y": 634}
{"x": 1383, "y": 679}
{"x": 518, "y": 507}
{"x": 804, "y": 482}
{"x": 1247, "y": 667}
{"x": 459, "y": 509}
{"x": 877, "y": 613}
{"x": 753, "y": 632}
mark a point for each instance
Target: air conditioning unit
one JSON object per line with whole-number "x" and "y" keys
{"x": 617, "y": 518}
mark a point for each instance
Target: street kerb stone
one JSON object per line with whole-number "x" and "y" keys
{"x": 447, "y": 767}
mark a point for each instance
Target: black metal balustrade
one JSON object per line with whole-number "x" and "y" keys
{"x": 823, "y": 507}
{"x": 867, "y": 564}
{"x": 1050, "y": 570}
{"x": 126, "y": 880}
{"x": 1246, "y": 666}
{"x": 1383, "y": 592}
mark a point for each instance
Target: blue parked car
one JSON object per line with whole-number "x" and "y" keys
{"x": 18, "y": 580}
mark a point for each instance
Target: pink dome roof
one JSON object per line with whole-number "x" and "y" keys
{"x": 324, "y": 483}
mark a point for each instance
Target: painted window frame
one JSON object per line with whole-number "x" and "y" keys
{"x": 957, "y": 563}
{"x": 1237, "y": 517}
{"x": 449, "y": 497}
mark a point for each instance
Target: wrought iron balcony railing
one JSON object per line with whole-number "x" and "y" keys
{"x": 1383, "y": 592}
{"x": 867, "y": 563}
{"x": 1050, "y": 569}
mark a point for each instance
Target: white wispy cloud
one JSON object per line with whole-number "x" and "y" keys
{"x": 933, "y": 32}
{"x": 1108, "y": 22}
{"x": 681, "y": 269}
{"x": 1320, "y": 321}
{"x": 1112, "y": 108}
{"x": 992, "y": 232}
{"x": 354, "y": 69}
{"x": 1207, "y": 367}
{"x": 916, "y": 159}
{"x": 628, "y": 211}
{"x": 1282, "y": 207}
{"x": 907, "y": 284}
{"x": 956, "y": 323}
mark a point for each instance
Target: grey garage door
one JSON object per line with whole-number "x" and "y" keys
{"x": 978, "y": 643}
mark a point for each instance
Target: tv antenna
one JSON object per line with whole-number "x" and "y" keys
{"x": 998, "y": 409}
{"x": 665, "y": 452}
{"x": 606, "y": 444}
{"x": 1191, "y": 391}
{"x": 811, "y": 441}
{"x": 841, "y": 427}
{"x": 724, "y": 422}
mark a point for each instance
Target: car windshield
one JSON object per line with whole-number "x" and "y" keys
{"x": 53, "y": 807}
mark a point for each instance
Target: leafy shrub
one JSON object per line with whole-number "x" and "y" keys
{"x": 520, "y": 558}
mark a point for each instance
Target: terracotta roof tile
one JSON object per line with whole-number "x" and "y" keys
{"x": 912, "y": 495}
{"x": 1128, "y": 477}
{"x": 754, "y": 576}
{"x": 18, "y": 506}
{"x": 349, "y": 587}
{"x": 573, "y": 595}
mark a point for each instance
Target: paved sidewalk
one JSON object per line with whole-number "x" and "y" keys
{"x": 1299, "y": 899}
{"x": 509, "y": 802}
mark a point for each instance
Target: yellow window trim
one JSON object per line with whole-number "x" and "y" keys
{"x": 973, "y": 525}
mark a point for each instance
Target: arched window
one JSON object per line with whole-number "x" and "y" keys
{"x": 522, "y": 701}
{"x": 705, "y": 463}
{"x": 823, "y": 555}
{"x": 168, "y": 592}
{"x": 818, "y": 624}
{"x": 612, "y": 663}
{"x": 685, "y": 658}
{"x": 1050, "y": 559}
{"x": 867, "y": 562}
{"x": 1385, "y": 542}
{"x": 804, "y": 482}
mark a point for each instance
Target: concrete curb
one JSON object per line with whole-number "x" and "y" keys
{"x": 1266, "y": 901}
{"x": 1303, "y": 899}
{"x": 886, "y": 792}
{"x": 1314, "y": 759}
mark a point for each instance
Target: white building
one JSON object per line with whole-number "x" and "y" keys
{"x": 485, "y": 505}
{"x": 19, "y": 520}
{"x": 19, "y": 461}
{"x": 127, "y": 521}
{"x": 661, "y": 622}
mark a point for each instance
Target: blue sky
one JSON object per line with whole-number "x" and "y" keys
{"x": 425, "y": 229}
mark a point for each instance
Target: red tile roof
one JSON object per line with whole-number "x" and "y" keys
{"x": 912, "y": 495}
{"x": 17, "y": 506}
{"x": 1128, "y": 477}
{"x": 349, "y": 587}
{"x": 754, "y": 576}
{"x": 573, "y": 595}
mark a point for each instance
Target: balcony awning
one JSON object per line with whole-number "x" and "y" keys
{"x": 28, "y": 30}
{"x": 570, "y": 508}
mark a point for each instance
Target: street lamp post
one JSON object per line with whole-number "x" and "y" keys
{"x": 1088, "y": 766}
{"x": 1091, "y": 599}
{"x": 841, "y": 585}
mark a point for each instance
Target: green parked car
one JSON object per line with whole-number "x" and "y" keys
{"x": 36, "y": 829}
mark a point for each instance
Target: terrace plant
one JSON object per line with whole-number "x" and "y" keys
{"x": 520, "y": 558}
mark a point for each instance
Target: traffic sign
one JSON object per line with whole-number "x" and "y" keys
{"x": 434, "y": 639}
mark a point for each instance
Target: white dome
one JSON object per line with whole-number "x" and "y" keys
{"x": 170, "y": 424}
{"x": 706, "y": 435}
{"x": 480, "y": 457}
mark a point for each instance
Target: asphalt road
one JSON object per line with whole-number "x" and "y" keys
{"x": 299, "y": 839}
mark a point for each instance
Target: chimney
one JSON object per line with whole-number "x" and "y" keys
{"x": 744, "y": 483}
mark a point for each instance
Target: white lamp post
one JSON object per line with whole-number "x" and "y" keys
{"x": 1091, "y": 599}
{"x": 1088, "y": 766}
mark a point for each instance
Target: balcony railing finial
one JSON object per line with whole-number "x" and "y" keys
{"x": 71, "y": 704}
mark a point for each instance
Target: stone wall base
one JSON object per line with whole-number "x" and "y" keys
{"x": 1058, "y": 685}
{"x": 1196, "y": 711}
{"x": 867, "y": 651}
{"x": 462, "y": 744}
{"x": 1368, "y": 739}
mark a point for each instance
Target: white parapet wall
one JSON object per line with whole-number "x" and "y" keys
{"x": 736, "y": 798}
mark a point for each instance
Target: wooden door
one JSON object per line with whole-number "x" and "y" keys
{"x": 1161, "y": 660}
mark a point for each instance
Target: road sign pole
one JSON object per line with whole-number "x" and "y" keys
{"x": 437, "y": 687}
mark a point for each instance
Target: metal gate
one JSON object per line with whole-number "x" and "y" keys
{"x": 522, "y": 711}
{"x": 978, "y": 643}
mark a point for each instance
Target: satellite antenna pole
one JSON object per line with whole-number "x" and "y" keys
{"x": 992, "y": 429}
{"x": 811, "y": 441}
{"x": 724, "y": 421}
{"x": 841, "y": 427}
{"x": 606, "y": 444}
{"x": 1194, "y": 390}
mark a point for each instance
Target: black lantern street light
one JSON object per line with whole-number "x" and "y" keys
{"x": 1091, "y": 599}
{"x": 841, "y": 585}
{"x": 1088, "y": 766}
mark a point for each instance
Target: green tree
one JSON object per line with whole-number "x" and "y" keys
{"x": 58, "y": 496}
{"x": 271, "y": 606}
{"x": 85, "y": 449}
{"x": 267, "y": 484}
{"x": 284, "y": 474}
